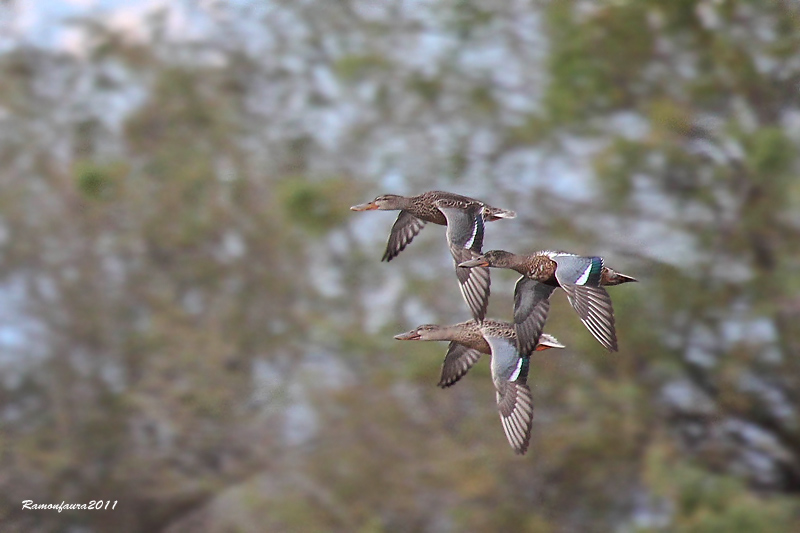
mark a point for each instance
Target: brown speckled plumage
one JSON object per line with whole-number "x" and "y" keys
{"x": 582, "y": 278}
{"x": 464, "y": 218}
{"x": 509, "y": 368}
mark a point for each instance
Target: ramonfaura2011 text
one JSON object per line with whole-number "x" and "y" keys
{"x": 64, "y": 506}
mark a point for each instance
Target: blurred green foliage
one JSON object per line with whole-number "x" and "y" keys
{"x": 98, "y": 181}
{"x": 710, "y": 503}
{"x": 315, "y": 206}
{"x": 354, "y": 68}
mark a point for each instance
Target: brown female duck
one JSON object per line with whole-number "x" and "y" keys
{"x": 468, "y": 340}
{"x": 464, "y": 218}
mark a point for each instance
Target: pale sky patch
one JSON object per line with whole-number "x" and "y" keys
{"x": 130, "y": 20}
{"x": 73, "y": 41}
{"x": 85, "y": 4}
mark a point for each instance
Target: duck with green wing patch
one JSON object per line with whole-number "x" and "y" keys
{"x": 468, "y": 340}
{"x": 582, "y": 278}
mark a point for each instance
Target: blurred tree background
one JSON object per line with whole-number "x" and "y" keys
{"x": 193, "y": 323}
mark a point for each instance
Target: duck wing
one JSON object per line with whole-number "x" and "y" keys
{"x": 405, "y": 228}
{"x": 465, "y": 238}
{"x": 465, "y": 226}
{"x": 514, "y": 399}
{"x": 580, "y": 279}
{"x": 531, "y": 306}
{"x": 473, "y": 282}
{"x": 457, "y": 362}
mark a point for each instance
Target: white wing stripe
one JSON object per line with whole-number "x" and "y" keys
{"x": 471, "y": 240}
{"x": 585, "y": 276}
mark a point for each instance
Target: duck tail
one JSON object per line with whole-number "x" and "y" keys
{"x": 495, "y": 213}
{"x": 612, "y": 277}
{"x": 548, "y": 341}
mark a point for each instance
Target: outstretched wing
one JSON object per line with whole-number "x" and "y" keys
{"x": 473, "y": 282}
{"x": 464, "y": 227}
{"x": 465, "y": 238}
{"x": 405, "y": 228}
{"x": 580, "y": 279}
{"x": 514, "y": 399}
{"x": 515, "y": 404}
{"x": 457, "y": 362}
{"x": 593, "y": 305}
{"x": 531, "y": 305}
{"x": 578, "y": 270}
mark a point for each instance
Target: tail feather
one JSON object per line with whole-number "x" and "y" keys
{"x": 495, "y": 213}
{"x": 612, "y": 277}
{"x": 548, "y": 341}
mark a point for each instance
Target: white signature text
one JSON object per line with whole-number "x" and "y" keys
{"x": 64, "y": 506}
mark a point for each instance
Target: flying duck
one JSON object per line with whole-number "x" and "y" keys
{"x": 464, "y": 218}
{"x": 582, "y": 278}
{"x": 468, "y": 340}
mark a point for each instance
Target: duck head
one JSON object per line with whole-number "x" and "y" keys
{"x": 385, "y": 202}
{"x": 426, "y": 332}
{"x": 492, "y": 258}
